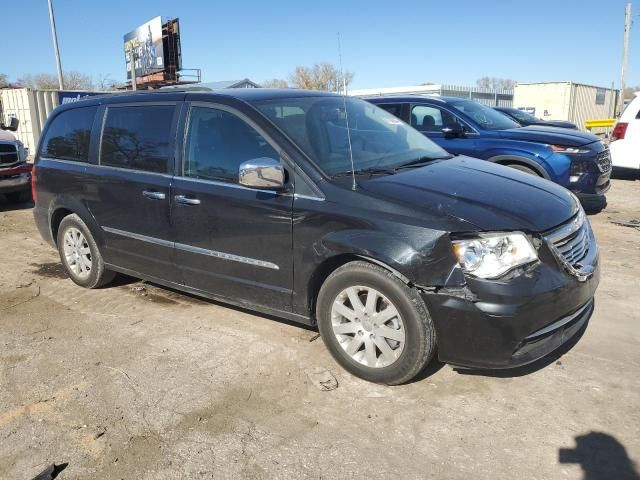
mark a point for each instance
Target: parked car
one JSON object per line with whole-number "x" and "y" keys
{"x": 576, "y": 160}
{"x": 15, "y": 172}
{"x": 324, "y": 210}
{"x": 525, "y": 119}
{"x": 625, "y": 138}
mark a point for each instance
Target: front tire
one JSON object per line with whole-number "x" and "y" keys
{"x": 80, "y": 255}
{"x": 523, "y": 169}
{"x": 374, "y": 325}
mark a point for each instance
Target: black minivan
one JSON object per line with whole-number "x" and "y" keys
{"x": 324, "y": 210}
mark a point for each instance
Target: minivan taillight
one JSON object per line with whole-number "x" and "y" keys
{"x": 34, "y": 191}
{"x": 619, "y": 131}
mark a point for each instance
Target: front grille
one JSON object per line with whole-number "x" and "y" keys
{"x": 574, "y": 247}
{"x": 8, "y": 154}
{"x": 571, "y": 243}
{"x": 603, "y": 160}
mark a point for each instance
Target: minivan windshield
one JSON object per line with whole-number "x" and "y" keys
{"x": 380, "y": 142}
{"x": 487, "y": 118}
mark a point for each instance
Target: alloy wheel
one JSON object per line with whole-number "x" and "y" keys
{"x": 77, "y": 253}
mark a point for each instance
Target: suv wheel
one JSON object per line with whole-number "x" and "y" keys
{"x": 523, "y": 169}
{"x": 374, "y": 325}
{"x": 80, "y": 255}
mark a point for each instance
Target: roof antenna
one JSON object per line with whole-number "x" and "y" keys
{"x": 346, "y": 115}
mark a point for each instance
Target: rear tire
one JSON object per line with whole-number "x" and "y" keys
{"x": 80, "y": 255}
{"x": 374, "y": 325}
{"x": 522, "y": 168}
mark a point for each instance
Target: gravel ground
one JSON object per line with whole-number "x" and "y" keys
{"x": 139, "y": 382}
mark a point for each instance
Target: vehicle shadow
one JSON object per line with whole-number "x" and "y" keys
{"x": 529, "y": 368}
{"x": 625, "y": 174}
{"x": 6, "y": 206}
{"x": 601, "y": 457}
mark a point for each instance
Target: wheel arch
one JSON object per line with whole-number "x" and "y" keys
{"x": 61, "y": 209}
{"x": 520, "y": 160}
{"x": 331, "y": 264}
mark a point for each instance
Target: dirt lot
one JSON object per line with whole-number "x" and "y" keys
{"x": 139, "y": 382}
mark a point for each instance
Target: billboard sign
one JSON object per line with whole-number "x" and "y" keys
{"x": 144, "y": 44}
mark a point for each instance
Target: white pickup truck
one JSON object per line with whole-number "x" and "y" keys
{"x": 15, "y": 172}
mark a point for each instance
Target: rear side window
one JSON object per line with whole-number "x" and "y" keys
{"x": 68, "y": 136}
{"x": 137, "y": 137}
{"x": 218, "y": 142}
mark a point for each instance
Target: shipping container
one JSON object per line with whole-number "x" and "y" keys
{"x": 570, "y": 101}
{"x": 32, "y": 107}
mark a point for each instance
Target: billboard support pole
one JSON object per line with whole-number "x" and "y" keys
{"x": 134, "y": 84}
{"x": 56, "y": 51}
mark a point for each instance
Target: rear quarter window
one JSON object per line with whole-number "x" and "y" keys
{"x": 69, "y": 135}
{"x": 137, "y": 137}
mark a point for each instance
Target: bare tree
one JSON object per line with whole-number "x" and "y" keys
{"x": 494, "y": 83}
{"x": 320, "y": 76}
{"x": 73, "y": 80}
{"x": 4, "y": 82}
{"x": 105, "y": 83}
{"x": 629, "y": 92}
{"x": 275, "y": 83}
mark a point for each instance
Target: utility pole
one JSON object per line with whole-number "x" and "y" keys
{"x": 54, "y": 38}
{"x": 625, "y": 54}
{"x": 134, "y": 83}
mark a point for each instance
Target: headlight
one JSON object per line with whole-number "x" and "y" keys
{"x": 564, "y": 149}
{"x": 492, "y": 255}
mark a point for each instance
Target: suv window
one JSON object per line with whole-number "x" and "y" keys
{"x": 428, "y": 119}
{"x": 218, "y": 142}
{"x": 393, "y": 109}
{"x": 137, "y": 137}
{"x": 68, "y": 136}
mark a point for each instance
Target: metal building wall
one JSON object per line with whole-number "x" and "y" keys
{"x": 549, "y": 101}
{"x": 584, "y": 106}
{"x": 569, "y": 101}
{"x": 31, "y": 107}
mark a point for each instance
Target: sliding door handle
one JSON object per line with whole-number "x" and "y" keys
{"x": 187, "y": 200}
{"x": 154, "y": 195}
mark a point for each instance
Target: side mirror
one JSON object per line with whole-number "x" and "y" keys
{"x": 453, "y": 130}
{"x": 12, "y": 125}
{"x": 262, "y": 173}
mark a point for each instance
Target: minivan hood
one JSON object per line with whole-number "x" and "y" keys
{"x": 552, "y": 135}
{"x": 490, "y": 196}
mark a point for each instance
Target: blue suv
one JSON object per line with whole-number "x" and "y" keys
{"x": 576, "y": 160}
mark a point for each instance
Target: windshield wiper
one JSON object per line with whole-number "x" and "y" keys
{"x": 418, "y": 162}
{"x": 365, "y": 171}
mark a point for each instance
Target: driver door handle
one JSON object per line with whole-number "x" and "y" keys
{"x": 187, "y": 200}
{"x": 154, "y": 195}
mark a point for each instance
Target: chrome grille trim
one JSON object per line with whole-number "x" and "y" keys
{"x": 603, "y": 159}
{"x": 571, "y": 243}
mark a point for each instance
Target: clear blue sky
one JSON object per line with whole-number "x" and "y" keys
{"x": 384, "y": 43}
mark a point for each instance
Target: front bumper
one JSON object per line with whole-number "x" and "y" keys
{"x": 15, "y": 183}
{"x": 515, "y": 321}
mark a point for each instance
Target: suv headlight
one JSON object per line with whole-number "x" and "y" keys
{"x": 565, "y": 149}
{"x": 494, "y": 254}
